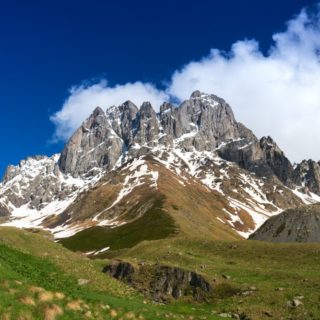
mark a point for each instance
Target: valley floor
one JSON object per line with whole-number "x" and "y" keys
{"x": 40, "y": 279}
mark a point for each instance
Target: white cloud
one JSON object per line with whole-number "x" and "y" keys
{"x": 84, "y": 99}
{"x": 277, "y": 94}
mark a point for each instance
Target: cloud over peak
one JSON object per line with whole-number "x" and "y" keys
{"x": 83, "y": 99}
{"x": 276, "y": 94}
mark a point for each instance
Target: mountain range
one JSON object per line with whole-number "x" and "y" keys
{"x": 189, "y": 169}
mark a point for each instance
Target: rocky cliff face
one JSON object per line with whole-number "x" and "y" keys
{"x": 4, "y": 211}
{"x": 202, "y": 123}
{"x": 33, "y": 181}
{"x": 94, "y": 144}
{"x": 276, "y": 160}
{"x": 307, "y": 174}
{"x": 127, "y": 149}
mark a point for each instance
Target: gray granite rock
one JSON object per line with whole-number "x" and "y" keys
{"x": 307, "y": 174}
{"x": 202, "y": 123}
{"x": 94, "y": 144}
{"x": 35, "y": 181}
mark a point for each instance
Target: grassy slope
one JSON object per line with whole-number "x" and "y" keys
{"x": 34, "y": 272}
{"x": 31, "y": 260}
{"x": 266, "y": 266}
{"x": 154, "y": 224}
{"x": 194, "y": 208}
{"x": 174, "y": 209}
{"x": 38, "y": 262}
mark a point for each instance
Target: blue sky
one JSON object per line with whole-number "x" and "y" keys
{"x": 49, "y": 46}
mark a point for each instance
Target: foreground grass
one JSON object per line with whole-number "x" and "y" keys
{"x": 269, "y": 275}
{"x": 39, "y": 279}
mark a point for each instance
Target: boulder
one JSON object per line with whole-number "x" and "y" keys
{"x": 159, "y": 282}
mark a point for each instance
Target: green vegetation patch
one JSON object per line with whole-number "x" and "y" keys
{"x": 153, "y": 225}
{"x": 18, "y": 265}
{"x": 269, "y": 275}
{"x": 35, "y": 288}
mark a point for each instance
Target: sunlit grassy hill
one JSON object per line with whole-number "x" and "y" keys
{"x": 40, "y": 279}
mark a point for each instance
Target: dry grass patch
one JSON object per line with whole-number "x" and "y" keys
{"x": 51, "y": 312}
{"x": 35, "y": 289}
{"x": 28, "y": 301}
{"x": 24, "y": 316}
{"x": 113, "y": 313}
{"x": 45, "y": 296}
{"x": 75, "y": 305}
{"x": 130, "y": 315}
{"x": 4, "y": 283}
{"x": 5, "y": 316}
{"x": 59, "y": 295}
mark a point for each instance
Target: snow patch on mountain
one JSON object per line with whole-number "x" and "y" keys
{"x": 307, "y": 198}
{"x": 48, "y": 191}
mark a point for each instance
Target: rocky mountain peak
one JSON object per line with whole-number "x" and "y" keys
{"x": 30, "y": 162}
{"x": 129, "y": 105}
{"x": 267, "y": 143}
{"x": 203, "y": 123}
{"x": 277, "y": 160}
{"x": 97, "y": 118}
{"x": 146, "y": 110}
{"x": 307, "y": 174}
{"x": 97, "y": 112}
{"x": 199, "y": 140}
{"x": 195, "y": 94}
{"x": 166, "y": 107}
{"x": 91, "y": 146}
{"x": 207, "y": 99}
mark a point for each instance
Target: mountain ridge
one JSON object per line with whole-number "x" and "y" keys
{"x": 201, "y": 145}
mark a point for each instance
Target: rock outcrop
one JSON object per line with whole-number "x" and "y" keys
{"x": 120, "y": 270}
{"x": 307, "y": 174}
{"x": 176, "y": 282}
{"x": 159, "y": 282}
{"x": 294, "y": 225}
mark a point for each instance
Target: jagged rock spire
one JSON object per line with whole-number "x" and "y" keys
{"x": 203, "y": 122}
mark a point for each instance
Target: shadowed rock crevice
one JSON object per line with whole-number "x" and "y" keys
{"x": 120, "y": 270}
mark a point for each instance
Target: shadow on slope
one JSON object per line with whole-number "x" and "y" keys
{"x": 153, "y": 225}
